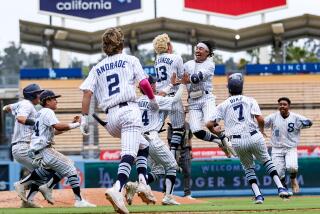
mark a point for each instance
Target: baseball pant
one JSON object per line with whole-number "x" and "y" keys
{"x": 285, "y": 159}
{"x": 200, "y": 111}
{"x": 176, "y": 115}
{"x": 247, "y": 147}
{"x": 20, "y": 154}
{"x": 125, "y": 123}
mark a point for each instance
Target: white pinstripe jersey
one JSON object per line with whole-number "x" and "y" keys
{"x": 43, "y": 129}
{"x": 285, "y": 131}
{"x": 152, "y": 120}
{"x": 113, "y": 80}
{"x": 22, "y": 132}
{"x": 206, "y": 68}
{"x": 238, "y": 114}
{"x": 165, "y": 65}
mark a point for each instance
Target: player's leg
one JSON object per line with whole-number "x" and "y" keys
{"x": 65, "y": 167}
{"x": 186, "y": 171}
{"x": 246, "y": 158}
{"x": 291, "y": 160}
{"x": 278, "y": 158}
{"x": 259, "y": 150}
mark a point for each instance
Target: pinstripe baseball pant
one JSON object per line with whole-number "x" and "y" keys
{"x": 285, "y": 159}
{"x": 200, "y": 110}
{"x": 160, "y": 159}
{"x": 20, "y": 154}
{"x": 176, "y": 115}
{"x": 125, "y": 123}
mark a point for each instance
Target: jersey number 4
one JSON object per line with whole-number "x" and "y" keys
{"x": 113, "y": 84}
{"x": 240, "y": 107}
{"x": 161, "y": 73}
{"x": 145, "y": 119}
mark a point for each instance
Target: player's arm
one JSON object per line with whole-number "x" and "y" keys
{"x": 6, "y": 108}
{"x": 175, "y": 81}
{"x": 202, "y": 76}
{"x": 268, "y": 121}
{"x": 22, "y": 116}
{"x": 260, "y": 121}
{"x": 61, "y": 127}
{"x": 304, "y": 122}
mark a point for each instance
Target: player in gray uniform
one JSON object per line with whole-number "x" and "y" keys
{"x": 167, "y": 64}
{"x": 112, "y": 81}
{"x": 24, "y": 113}
{"x": 200, "y": 98}
{"x": 238, "y": 113}
{"x": 161, "y": 160}
{"x": 285, "y": 127}
{"x": 46, "y": 126}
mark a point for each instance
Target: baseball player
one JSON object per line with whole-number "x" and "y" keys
{"x": 238, "y": 113}
{"x": 285, "y": 127}
{"x": 161, "y": 160}
{"x": 200, "y": 98}
{"x": 24, "y": 113}
{"x": 46, "y": 126}
{"x": 167, "y": 64}
{"x": 184, "y": 160}
{"x": 112, "y": 81}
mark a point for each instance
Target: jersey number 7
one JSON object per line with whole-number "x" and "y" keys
{"x": 240, "y": 107}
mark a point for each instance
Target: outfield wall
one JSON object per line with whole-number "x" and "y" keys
{"x": 209, "y": 177}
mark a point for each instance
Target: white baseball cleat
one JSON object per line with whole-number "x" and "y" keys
{"x": 83, "y": 203}
{"x": 116, "y": 199}
{"x": 169, "y": 200}
{"x": 131, "y": 188}
{"x": 189, "y": 197}
{"x": 19, "y": 188}
{"x": 47, "y": 193}
{"x": 145, "y": 193}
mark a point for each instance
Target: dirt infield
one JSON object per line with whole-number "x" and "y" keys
{"x": 65, "y": 198}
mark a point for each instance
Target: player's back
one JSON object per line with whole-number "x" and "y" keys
{"x": 165, "y": 65}
{"x": 115, "y": 77}
{"x": 22, "y": 132}
{"x": 238, "y": 113}
{"x": 43, "y": 131}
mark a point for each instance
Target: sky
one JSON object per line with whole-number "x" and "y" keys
{"x": 11, "y": 11}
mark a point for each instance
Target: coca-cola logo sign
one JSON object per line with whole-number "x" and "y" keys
{"x": 110, "y": 155}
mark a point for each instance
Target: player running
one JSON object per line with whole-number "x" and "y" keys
{"x": 285, "y": 127}
{"x": 112, "y": 81}
{"x": 238, "y": 113}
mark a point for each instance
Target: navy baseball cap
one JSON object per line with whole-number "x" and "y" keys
{"x": 46, "y": 95}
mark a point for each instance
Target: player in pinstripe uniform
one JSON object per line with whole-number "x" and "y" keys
{"x": 238, "y": 113}
{"x": 167, "y": 64}
{"x": 200, "y": 98}
{"x": 46, "y": 126}
{"x": 24, "y": 113}
{"x": 161, "y": 160}
{"x": 112, "y": 81}
{"x": 285, "y": 127}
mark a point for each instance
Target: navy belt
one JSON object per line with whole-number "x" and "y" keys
{"x": 251, "y": 133}
{"x": 120, "y": 106}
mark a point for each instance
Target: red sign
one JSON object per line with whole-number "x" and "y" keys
{"x": 233, "y": 7}
{"x": 110, "y": 155}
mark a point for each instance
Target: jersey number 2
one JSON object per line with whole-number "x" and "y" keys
{"x": 240, "y": 107}
{"x": 145, "y": 118}
{"x": 113, "y": 84}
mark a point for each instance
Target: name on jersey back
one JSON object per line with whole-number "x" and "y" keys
{"x": 235, "y": 99}
{"x": 110, "y": 66}
{"x": 165, "y": 60}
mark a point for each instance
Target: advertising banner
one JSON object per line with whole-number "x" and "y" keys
{"x": 214, "y": 175}
{"x": 56, "y": 73}
{"x": 283, "y": 68}
{"x": 89, "y": 9}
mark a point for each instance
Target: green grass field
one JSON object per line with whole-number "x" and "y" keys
{"x": 305, "y": 205}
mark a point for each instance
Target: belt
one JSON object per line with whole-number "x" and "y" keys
{"x": 206, "y": 92}
{"x": 120, "y": 106}
{"x": 13, "y": 144}
{"x": 251, "y": 133}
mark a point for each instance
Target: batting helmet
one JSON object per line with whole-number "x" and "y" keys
{"x": 235, "y": 83}
{"x": 47, "y": 95}
{"x": 31, "y": 91}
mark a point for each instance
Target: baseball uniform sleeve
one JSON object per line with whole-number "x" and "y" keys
{"x": 209, "y": 72}
{"x": 24, "y": 110}
{"x": 90, "y": 82}
{"x": 14, "y": 108}
{"x": 179, "y": 67}
{"x": 268, "y": 121}
{"x": 255, "y": 109}
{"x": 138, "y": 70}
{"x": 302, "y": 122}
{"x": 218, "y": 113}
{"x": 165, "y": 103}
{"x": 50, "y": 118}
